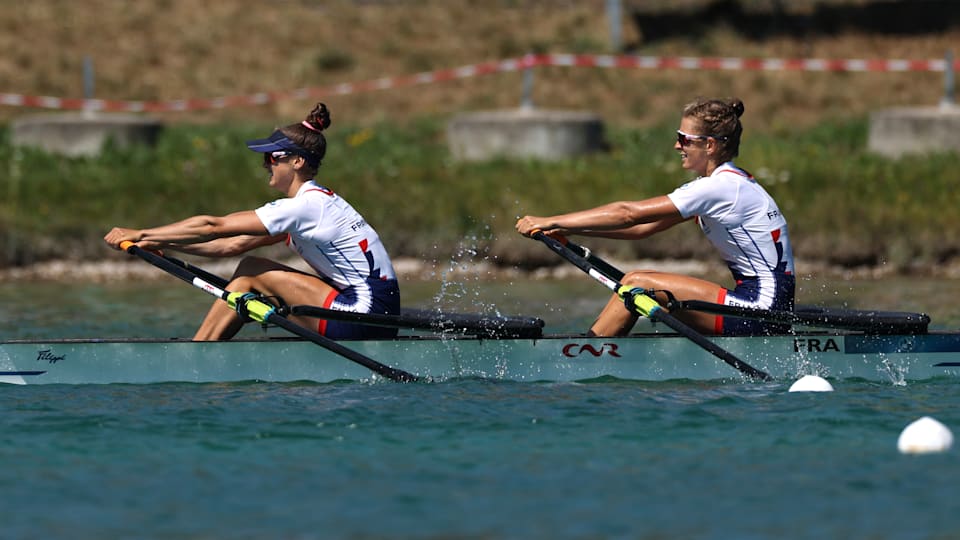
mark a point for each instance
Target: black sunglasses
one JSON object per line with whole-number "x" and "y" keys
{"x": 272, "y": 158}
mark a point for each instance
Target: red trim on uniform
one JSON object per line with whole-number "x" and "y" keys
{"x": 776, "y": 238}
{"x": 363, "y": 245}
{"x": 287, "y": 242}
{"x": 741, "y": 172}
{"x": 718, "y": 321}
{"x": 327, "y": 302}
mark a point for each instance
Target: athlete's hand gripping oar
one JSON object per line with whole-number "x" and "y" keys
{"x": 247, "y": 304}
{"x": 648, "y": 307}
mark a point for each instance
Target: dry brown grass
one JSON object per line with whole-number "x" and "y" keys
{"x": 172, "y": 49}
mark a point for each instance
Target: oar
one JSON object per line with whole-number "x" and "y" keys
{"x": 485, "y": 326}
{"x": 608, "y": 269}
{"x": 885, "y": 322}
{"x": 876, "y": 322}
{"x": 648, "y": 307}
{"x": 247, "y": 304}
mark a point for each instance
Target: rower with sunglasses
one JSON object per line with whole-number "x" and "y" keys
{"x": 737, "y": 215}
{"x": 353, "y": 270}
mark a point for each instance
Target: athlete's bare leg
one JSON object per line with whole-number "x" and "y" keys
{"x": 269, "y": 278}
{"x": 616, "y": 320}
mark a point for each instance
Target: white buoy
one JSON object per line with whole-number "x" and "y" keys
{"x": 925, "y": 436}
{"x": 811, "y": 383}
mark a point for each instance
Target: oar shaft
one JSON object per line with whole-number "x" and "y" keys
{"x": 873, "y": 321}
{"x": 177, "y": 271}
{"x": 264, "y": 312}
{"x": 608, "y": 269}
{"x": 199, "y": 272}
{"x": 391, "y": 373}
{"x": 648, "y": 307}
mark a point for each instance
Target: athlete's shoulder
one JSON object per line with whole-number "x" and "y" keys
{"x": 732, "y": 173}
{"x": 312, "y": 188}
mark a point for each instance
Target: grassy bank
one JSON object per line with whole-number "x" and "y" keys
{"x": 844, "y": 205}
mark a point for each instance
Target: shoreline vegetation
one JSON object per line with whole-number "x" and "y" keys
{"x": 847, "y": 209}
{"x": 805, "y": 133}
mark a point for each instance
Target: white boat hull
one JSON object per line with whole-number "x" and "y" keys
{"x": 654, "y": 357}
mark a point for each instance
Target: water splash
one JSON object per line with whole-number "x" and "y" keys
{"x": 896, "y": 374}
{"x": 462, "y": 275}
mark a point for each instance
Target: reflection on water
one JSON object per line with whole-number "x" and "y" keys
{"x": 170, "y": 308}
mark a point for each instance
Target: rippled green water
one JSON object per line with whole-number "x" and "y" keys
{"x": 462, "y": 458}
{"x": 473, "y": 459}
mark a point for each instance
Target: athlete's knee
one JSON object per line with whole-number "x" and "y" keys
{"x": 243, "y": 284}
{"x": 640, "y": 278}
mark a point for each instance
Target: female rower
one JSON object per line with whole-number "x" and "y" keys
{"x": 353, "y": 270}
{"x": 737, "y": 215}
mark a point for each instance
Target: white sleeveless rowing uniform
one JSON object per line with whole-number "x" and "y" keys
{"x": 741, "y": 219}
{"x": 341, "y": 247}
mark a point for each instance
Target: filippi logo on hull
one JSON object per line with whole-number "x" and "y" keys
{"x": 46, "y": 355}
{"x": 573, "y": 350}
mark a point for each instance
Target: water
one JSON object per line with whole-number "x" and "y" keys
{"x": 462, "y": 458}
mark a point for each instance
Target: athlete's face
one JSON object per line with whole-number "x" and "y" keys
{"x": 693, "y": 146}
{"x": 281, "y": 169}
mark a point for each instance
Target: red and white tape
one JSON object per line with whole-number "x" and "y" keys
{"x": 486, "y": 68}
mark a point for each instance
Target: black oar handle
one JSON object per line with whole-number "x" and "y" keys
{"x": 659, "y": 315}
{"x": 272, "y": 316}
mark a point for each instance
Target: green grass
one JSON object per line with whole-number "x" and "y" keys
{"x": 844, "y": 205}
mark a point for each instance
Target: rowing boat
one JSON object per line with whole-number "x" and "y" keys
{"x": 892, "y": 358}
{"x": 873, "y": 345}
